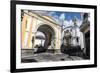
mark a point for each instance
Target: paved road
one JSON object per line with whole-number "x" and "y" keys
{"x": 46, "y": 57}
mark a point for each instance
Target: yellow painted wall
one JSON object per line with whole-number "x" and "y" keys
{"x": 30, "y": 35}
{"x": 23, "y": 29}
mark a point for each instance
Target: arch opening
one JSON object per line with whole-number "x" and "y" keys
{"x": 49, "y": 34}
{"x": 39, "y": 38}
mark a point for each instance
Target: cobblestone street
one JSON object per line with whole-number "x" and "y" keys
{"x": 48, "y": 57}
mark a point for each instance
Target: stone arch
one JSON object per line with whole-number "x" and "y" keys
{"x": 49, "y": 33}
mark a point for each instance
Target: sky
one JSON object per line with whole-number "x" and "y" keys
{"x": 65, "y": 15}
{"x": 64, "y": 18}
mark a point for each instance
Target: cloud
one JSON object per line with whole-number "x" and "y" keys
{"x": 62, "y": 16}
{"x": 67, "y": 23}
{"x": 51, "y": 13}
{"x": 59, "y": 19}
{"x": 79, "y": 23}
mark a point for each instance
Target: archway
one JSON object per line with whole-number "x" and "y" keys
{"x": 49, "y": 35}
{"x": 39, "y": 38}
